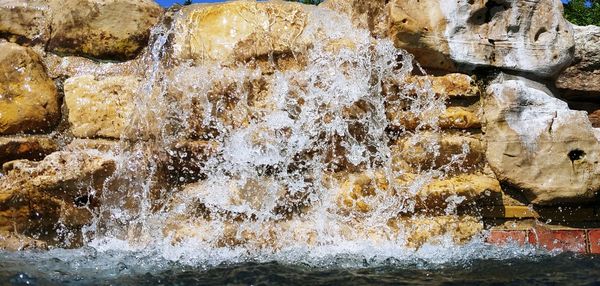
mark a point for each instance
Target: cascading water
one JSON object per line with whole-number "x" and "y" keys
{"x": 288, "y": 157}
{"x": 294, "y": 140}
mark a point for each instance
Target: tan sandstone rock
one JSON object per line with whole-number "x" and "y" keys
{"x": 449, "y": 151}
{"x": 484, "y": 33}
{"x": 105, "y": 29}
{"x": 419, "y": 230}
{"x": 62, "y": 174}
{"x": 413, "y": 232}
{"x": 28, "y": 97}
{"x": 14, "y": 242}
{"x": 583, "y": 74}
{"x": 25, "y": 22}
{"x": 35, "y": 197}
{"x": 364, "y": 192}
{"x": 30, "y": 147}
{"x": 538, "y": 145}
{"x": 453, "y": 117}
{"x": 100, "y": 107}
{"x": 238, "y": 31}
{"x": 365, "y": 14}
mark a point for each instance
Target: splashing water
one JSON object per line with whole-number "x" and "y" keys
{"x": 296, "y": 157}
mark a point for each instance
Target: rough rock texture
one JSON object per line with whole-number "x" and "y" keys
{"x": 363, "y": 192}
{"x": 25, "y": 21}
{"x": 365, "y": 14}
{"x": 239, "y": 31}
{"x": 100, "y": 107}
{"x": 104, "y": 29}
{"x": 438, "y": 150}
{"x": 70, "y": 66}
{"x": 453, "y": 117}
{"x": 584, "y": 73}
{"x": 30, "y": 147}
{"x": 413, "y": 231}
{"x": 484, "y": 33}
{"x": 449, "y": 85}
{"x": 38, "y": 197}
{"x": 28, "y": 97}
{"x": 61, "y": 174}
{"x": 533, "y": 145}
{"x": 14, "y": 242}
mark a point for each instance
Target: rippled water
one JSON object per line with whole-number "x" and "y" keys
{"x": 474, "y": 264}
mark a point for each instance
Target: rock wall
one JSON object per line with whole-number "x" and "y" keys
{"x": 221, "y": 116}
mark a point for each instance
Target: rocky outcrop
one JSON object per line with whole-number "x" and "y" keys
{"x": 100, "y": 107}
{"x": 28, "y": 97}
{"x": 583, "y": 75}
{"x": 484, "y": 33}
{"x": 533, "y": 145}
{"x": 103, "y": 29}
{"x": 14, "y": 242}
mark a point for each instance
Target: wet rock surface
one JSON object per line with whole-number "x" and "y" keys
{"x": 102, "y": 29}
{"x": 264, "y": 125}
{"x": 26, "y": 147}
{"x": 28, "y": 97}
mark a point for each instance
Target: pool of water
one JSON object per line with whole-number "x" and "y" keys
{"x": 474, "y": 264}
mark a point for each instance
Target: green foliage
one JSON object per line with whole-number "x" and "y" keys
{"x": 580, "y": 13}
{"x": 312, "y": 2}
{"x": 187, "y": 2}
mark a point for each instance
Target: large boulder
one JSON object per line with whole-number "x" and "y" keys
{"x": 104, "y": 29}
{"x": 539, "y": 146}
{"x": 584, "y": 74}
{"x": 25, "y": 21}
{"x": 39, "y": 198}
{"x": 239, "y": 31}
{"x": 100, "y": 107}
{"x": 28, "y": 97}
{"x": 526, "y": 36}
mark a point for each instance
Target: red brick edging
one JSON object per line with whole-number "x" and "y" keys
{"x": 574, "y": 240}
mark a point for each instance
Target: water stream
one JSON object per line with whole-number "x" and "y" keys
{"x": 260, "y": 169}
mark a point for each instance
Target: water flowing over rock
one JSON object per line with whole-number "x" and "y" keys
{"x": 28, "y": 97}
{"x": 528, "y": 127}
{"x": 255, "y": 127}
{"x": 526, "y": 36}
{"x": 105, "y": 29}
{"x": 51, "y": 199}
{"x": 365, "y": 14}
